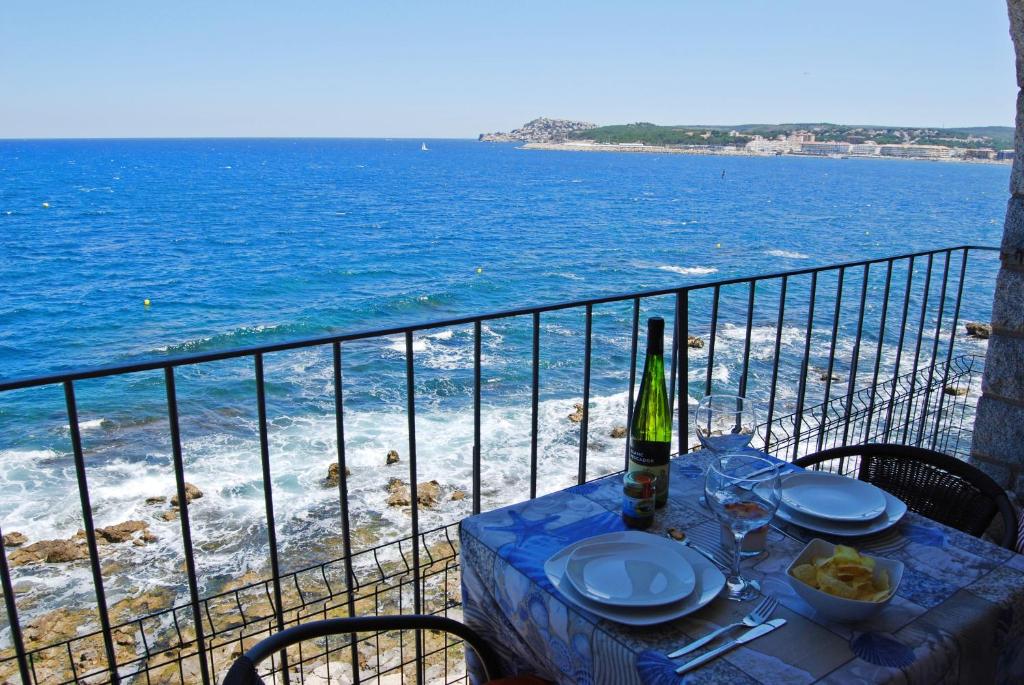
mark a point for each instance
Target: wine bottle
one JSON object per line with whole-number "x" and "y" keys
{"x": 650, "y": 434}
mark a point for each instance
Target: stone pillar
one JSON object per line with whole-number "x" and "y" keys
{"x": 998, "y": 446}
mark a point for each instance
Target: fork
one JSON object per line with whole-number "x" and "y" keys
{"x": 761, "y": 613}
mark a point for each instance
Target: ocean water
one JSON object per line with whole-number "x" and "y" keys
{"x": 245, "y": 242}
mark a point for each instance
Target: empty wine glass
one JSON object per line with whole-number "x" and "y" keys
{"x": 724, "y": 423}
{"x": 744, "y": 492}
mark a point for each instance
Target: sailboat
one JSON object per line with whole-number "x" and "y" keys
{"x": 424, "y": 148}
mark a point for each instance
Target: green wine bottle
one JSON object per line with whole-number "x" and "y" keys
{"x": 650, "y": 434}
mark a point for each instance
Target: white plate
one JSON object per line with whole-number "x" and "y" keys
{"x": 708, "y": 581}
{"x": 629, "y": 574}
{"x": 894, "y": 511}
{"x": 831, "y": 496}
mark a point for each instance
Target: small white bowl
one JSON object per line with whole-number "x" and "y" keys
{"x": 838, "y": 608}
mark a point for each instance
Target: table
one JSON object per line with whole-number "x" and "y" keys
{"x": 958, "y": 615}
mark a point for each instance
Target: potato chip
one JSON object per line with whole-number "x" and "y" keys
{"x": 806, "y": 573}
{"x": 847, "y": 574}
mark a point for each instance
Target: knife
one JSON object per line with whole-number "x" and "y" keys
{"x": 751, "y": 634}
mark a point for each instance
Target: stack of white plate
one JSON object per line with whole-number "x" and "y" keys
{"x": 836, "y": 505}
{"x": 634, "y": 578}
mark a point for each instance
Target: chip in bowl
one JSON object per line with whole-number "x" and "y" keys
{"x": 842, "y": 583}
{"x": 845, "y": 573}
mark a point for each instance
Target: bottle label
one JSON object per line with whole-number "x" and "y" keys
{"x": 649, "y": 454}
{"x": 652, "y": 457}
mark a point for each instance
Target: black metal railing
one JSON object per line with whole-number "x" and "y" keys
{"x": 903, "y": 380}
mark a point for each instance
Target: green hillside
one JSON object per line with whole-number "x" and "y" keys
{"x": 999, "y": 137}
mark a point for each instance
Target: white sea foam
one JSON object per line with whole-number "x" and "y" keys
{"x": 564, "y": 274}
{"x": 92, "y": 424}
{"x": 787, "y": 254}
{"x": 689, "y": 270}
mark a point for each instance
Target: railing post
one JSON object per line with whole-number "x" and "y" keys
{"x": 268, "y": 502}
{"x": 711, "y": 339}
{"x": 90, "y": 532}
{"x": 935, "y": 350}
{"x": 534, "y": 404}
{"x": 186, "y": 529}
{"x": 802, "y": 387}
{"x": 476, "y": 417}
{"x": 410, "y": 390}
{"x": 346, "y": 522}
{"x": 855, "y": 356}
{"x": 917, "y": 345}
{"x": 581, "y": 476}
{"x": 780, "y": 322}
{"x": 899, "y": 349}
{"x": 632, "y": 376}
{"x": 878, "y": 351}
{"x": 831, "y": 358}
{"x": 952, "y": 342}
{"x": 12, "y": 615}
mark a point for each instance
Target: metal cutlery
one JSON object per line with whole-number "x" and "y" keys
{"x": 751, "y": 634}
{"x": 761, "y": 613}
{"x": 719, "y": 559}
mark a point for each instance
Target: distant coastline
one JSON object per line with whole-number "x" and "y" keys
{"x": 731, "y": 152}
{"x": 987, "y": 144}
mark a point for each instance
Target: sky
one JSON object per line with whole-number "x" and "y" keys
{"x": 455, "y": 69}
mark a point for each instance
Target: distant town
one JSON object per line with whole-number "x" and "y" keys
{"x": 977, "y": 144}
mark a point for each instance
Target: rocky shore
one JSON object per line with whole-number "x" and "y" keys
{"x": 152, "y": 629}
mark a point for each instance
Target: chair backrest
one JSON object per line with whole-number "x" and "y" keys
{"x": 936, "y": 485}
{"x": 244, "y": 670}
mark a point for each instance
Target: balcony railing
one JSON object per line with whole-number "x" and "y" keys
{"x": 869, "y": 350}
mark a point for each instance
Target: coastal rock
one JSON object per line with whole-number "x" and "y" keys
{"x": 398, "y": 493}
{"x": 159, "y": 499}
{"x": 577, "y": 416}
{"x": 392, "y": 457}
{"x": 694, "y": 342}
{"x": 14, "y": 539}
{"x": 191, "y": 493}
{"x": 618, "y": 432}
{"x": 121, "y": 532}
{"x": 169, "y": 515}
{"x": 332, "y": 475}
{"x": 955, "y": 390}
{"x": 976, "y": 329}
{"x": 49, "y": 551}
{"x": 824, "y": 376}
{"x": 540, "y": 130}
{"x": 428, "y": 494}
{"x": 458, "y": 495}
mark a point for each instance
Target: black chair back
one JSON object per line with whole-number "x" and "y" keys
{"x": 244, "y": 670}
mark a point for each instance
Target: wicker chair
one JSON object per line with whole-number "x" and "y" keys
{"x": 243, "y": 671}
{"x": 936, "y": 485}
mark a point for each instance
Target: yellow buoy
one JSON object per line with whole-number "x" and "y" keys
{"x": 479, "y": 269}
{"x": 46, "y": 205}
{"x": 145, "y": 302}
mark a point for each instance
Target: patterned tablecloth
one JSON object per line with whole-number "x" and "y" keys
{"x": 958, "y": 616}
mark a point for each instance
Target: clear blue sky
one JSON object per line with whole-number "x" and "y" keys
{"x": 73, "y": 68}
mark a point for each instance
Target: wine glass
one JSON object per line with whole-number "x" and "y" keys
{"x": 743, "y": 491}
{"x": 724, "y": 423}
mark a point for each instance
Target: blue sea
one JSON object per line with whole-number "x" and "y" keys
{"x": 245, "y": 242}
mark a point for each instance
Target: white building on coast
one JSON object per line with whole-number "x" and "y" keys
{"x": 918, "y": 151}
